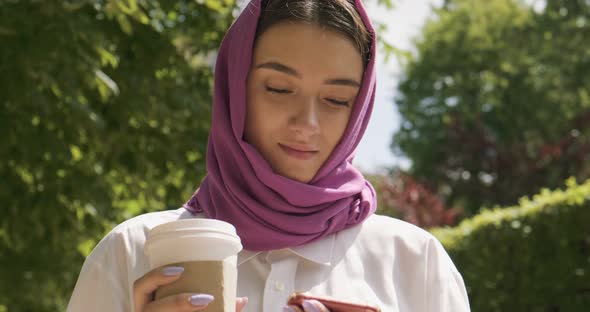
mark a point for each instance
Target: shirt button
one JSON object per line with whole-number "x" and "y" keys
{"x": 279, "y": 286}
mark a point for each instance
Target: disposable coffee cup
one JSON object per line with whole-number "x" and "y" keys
{"x": 207, "y": 250}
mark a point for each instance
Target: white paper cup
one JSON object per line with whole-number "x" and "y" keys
{"x": 207, "y": 249}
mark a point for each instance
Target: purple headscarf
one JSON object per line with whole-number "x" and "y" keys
{"x": 268, "y": 210}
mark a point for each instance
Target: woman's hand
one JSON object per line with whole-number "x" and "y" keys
{"x": 308, "y": 306}
{"x": 144, "y": 288}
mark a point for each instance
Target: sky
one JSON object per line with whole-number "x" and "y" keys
{"x": 404, "y": 23}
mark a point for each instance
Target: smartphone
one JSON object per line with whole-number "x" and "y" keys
{"x": 332, "y": 304}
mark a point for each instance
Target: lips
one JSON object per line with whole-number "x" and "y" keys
{"x": 299, "y": 152}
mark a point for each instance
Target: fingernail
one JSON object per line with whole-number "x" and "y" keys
{"x": 310, "y": 306}
{"x": 288, "y": 309}
{"x": 201, "y": 299}
{"x": 243, "y": 300}
{"x": 173, "y": 270}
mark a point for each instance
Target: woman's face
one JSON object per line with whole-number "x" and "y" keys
{"x": 301, "y": 89}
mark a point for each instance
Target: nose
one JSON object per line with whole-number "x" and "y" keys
{"x": 305, "y": 119}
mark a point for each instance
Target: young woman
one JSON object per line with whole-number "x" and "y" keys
{"x": 294, "y": 90}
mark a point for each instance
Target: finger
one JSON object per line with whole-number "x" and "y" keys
{"x": 314, "y": 306}
{"x": 241, "y": 303}
{"x": 180, "y": 303}
{"x": 292, "y": 308}
{"x": 144, "y": 287}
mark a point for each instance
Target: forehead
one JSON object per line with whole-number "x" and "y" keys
{"x": 309, "y": 47}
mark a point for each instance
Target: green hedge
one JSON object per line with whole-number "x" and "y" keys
{"x": 533, "y": 257}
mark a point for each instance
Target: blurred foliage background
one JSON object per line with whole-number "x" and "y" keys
{"x": 104, "y": 114}
{"x": 105, "y": 104}
{"x": 496, "y": 102}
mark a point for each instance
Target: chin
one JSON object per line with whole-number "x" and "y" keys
{"x": 297, "y": 177}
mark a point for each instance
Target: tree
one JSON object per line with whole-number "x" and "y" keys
{"x": 104, "y": 114}
{"x": 497, "y": 104}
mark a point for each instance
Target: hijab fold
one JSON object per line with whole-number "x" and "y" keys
{"x": 268, "y": 210}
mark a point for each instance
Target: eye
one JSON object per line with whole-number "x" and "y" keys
{"x": 341, "y": 103}
{"x": 277, "y": 91}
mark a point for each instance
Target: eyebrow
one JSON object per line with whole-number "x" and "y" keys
{"x": 292, "y": 72}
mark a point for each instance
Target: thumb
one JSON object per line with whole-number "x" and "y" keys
{"x": 241, "y": 303}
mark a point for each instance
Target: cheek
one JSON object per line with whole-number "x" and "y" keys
{"x": 264, "y": 112}
{"x": 333, "y": 127}
{"x": 261, "y": 122}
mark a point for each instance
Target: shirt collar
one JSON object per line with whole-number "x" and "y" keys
{"x": 245, "y": 255}
{"x": 319, "y": 251}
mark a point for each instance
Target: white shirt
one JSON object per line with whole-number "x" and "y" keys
{"x": 383, "y": 261}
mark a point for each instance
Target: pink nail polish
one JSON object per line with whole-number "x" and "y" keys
{"x": 311, "y": 306}
{"x": 201, "y": 299}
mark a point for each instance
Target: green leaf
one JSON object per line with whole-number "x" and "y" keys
{"x": 125, "y": 24}
{"x": 76, "y": 153}
{"x": 107, "y": 58}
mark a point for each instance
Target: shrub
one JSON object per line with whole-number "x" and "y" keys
{"x": 533, "y": 257}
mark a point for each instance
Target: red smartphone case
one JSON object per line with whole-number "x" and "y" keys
{"x": 334, "y": 305}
